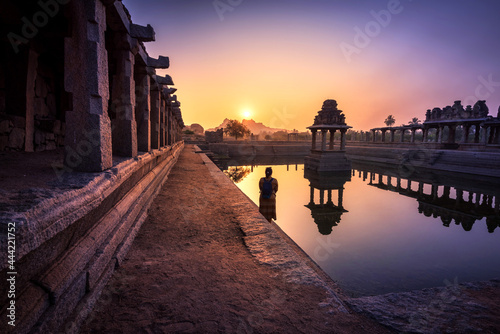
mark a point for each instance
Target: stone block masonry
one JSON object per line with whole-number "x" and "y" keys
{"x": 81, "y": 89}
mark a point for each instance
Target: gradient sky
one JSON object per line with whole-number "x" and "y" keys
{"x": 281, "y": 59}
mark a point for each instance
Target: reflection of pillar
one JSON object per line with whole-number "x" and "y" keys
{"x": 323, "y": 140}
{"x": 322, "y": 196}
{"x": 380, "y": 178}
{"x": 329, "y": 196}
{"x": 497, "y": 205}
{"x": 313, "y": 139}
{"x": 332, "y": 137}
{"x": 421, "y": 188}
{"x": 389, "y": 181}
{"x": 342, "y": 139}
{"x": 446, "y": 192}
{"x": 434, "y": 191}
{"x": 398, "y": 183}
{"x": 311, "y": 200}
{"x": 460, "y": 195}
{"x": 341, "y": 198}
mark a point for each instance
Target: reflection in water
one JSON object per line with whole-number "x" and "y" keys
{"x": 237, "y": 174}
{"x": 326, "y": 214}
{"x": 392, "y": 237}
{"x": 450, "y": 200}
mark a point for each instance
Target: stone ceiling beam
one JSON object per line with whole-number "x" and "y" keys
{"x": 143, "y": 34}
{"x": 161, "y": 62}
{"x": 166, "y": 80}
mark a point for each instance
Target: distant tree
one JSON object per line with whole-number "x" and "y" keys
{"x": 414, "y": 121}
{"x": 236, "y": 129}
{"x": 390, "y": 120}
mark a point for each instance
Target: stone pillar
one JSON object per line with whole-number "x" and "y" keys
{"x": 342, "y": 139}
{"x": 162, "y": 122}
{"x": 451, "y": 133}
{"x": 322, "y": 196}
{"x": 313, "y": 139}
{"x": 393, "y": 132}
{"x": 485, "y": 135}
{"x": 323, "y": 139}
{"x": 311, "y": 199}
{"x": 88, "y": 145}
{"x": 477, "y": 133}
{"x": 425, "y": 135}
{"x": 374, "y": 136}
{"x": 155, "y": 118}
{"x": 465, "y": 137}
{"x": 440, "y": 134}
{"x": 421, "y": 188}
{"x": 332, "y": 138}
{"x": 123, "y": 103}
{"x": 402, "y": 135}
{"x": 413, "y": 135}
{"x": 142, "y": 109}
{"x": 383, "y": 135}
{"x": 30, "y": 100}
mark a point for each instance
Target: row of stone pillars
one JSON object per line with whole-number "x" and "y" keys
{"x": 340, "y": 198}
{"x": 324, "y": 134}
{"x": 482, "y": 134}
{"x": 120, "y": 106}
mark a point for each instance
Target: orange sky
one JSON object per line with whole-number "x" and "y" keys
{"x": 282, "y": 60}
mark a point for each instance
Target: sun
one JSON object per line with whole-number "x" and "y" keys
{"x": 247, "y": 114}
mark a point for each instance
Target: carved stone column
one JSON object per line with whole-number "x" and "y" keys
{"x": 87, "y": 143}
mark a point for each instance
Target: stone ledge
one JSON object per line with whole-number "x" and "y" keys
{"x": 268, "y": 246}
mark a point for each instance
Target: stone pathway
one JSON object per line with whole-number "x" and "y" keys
{"x": 204, "y": 262}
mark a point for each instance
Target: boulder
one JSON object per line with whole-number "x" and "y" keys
{"x": 6, "y": 126}
{"x": 16, "y": 138}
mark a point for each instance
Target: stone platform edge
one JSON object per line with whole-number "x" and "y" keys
{"x": 271, "y": 246}
{"x": 59, "y": 287}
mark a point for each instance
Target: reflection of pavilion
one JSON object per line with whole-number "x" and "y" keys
{"x": 326, "y": 213}
{"x": 450, "y": 197}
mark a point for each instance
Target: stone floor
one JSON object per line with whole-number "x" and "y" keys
{"x": 206, "y": 262}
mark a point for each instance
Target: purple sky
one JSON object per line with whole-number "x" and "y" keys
{"x": 279, "y": 60}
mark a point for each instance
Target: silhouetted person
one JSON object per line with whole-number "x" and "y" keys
{"x": 267, "y": 201}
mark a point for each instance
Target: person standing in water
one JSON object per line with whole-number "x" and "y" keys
{"x": 267, "y": 201}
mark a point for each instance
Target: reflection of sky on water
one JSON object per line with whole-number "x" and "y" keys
{"x": 382, "y": 244}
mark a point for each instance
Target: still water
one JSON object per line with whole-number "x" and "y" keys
{"x": 375, "y": 232}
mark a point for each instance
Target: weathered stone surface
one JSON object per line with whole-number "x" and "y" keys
{"x": 4, "y": 142}
{"x": 144, "y": 34}
{"x": 51, "y": 145}
{"x": 162, "y": 62}
{"x": 51, "y": 103}
{"x": 40, "y": 87}
{"x": 436, "y": 310}
{"x": 16, "y": 138}
{"x": 6, "y": 126}
{"x": 166, "y": 80}
{"x": 41, "y": 109}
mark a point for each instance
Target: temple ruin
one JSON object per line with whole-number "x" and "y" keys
{"x": 441, "y": 126}
{"x": 76, "y": 78}
{"x": 328, "y": 121}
